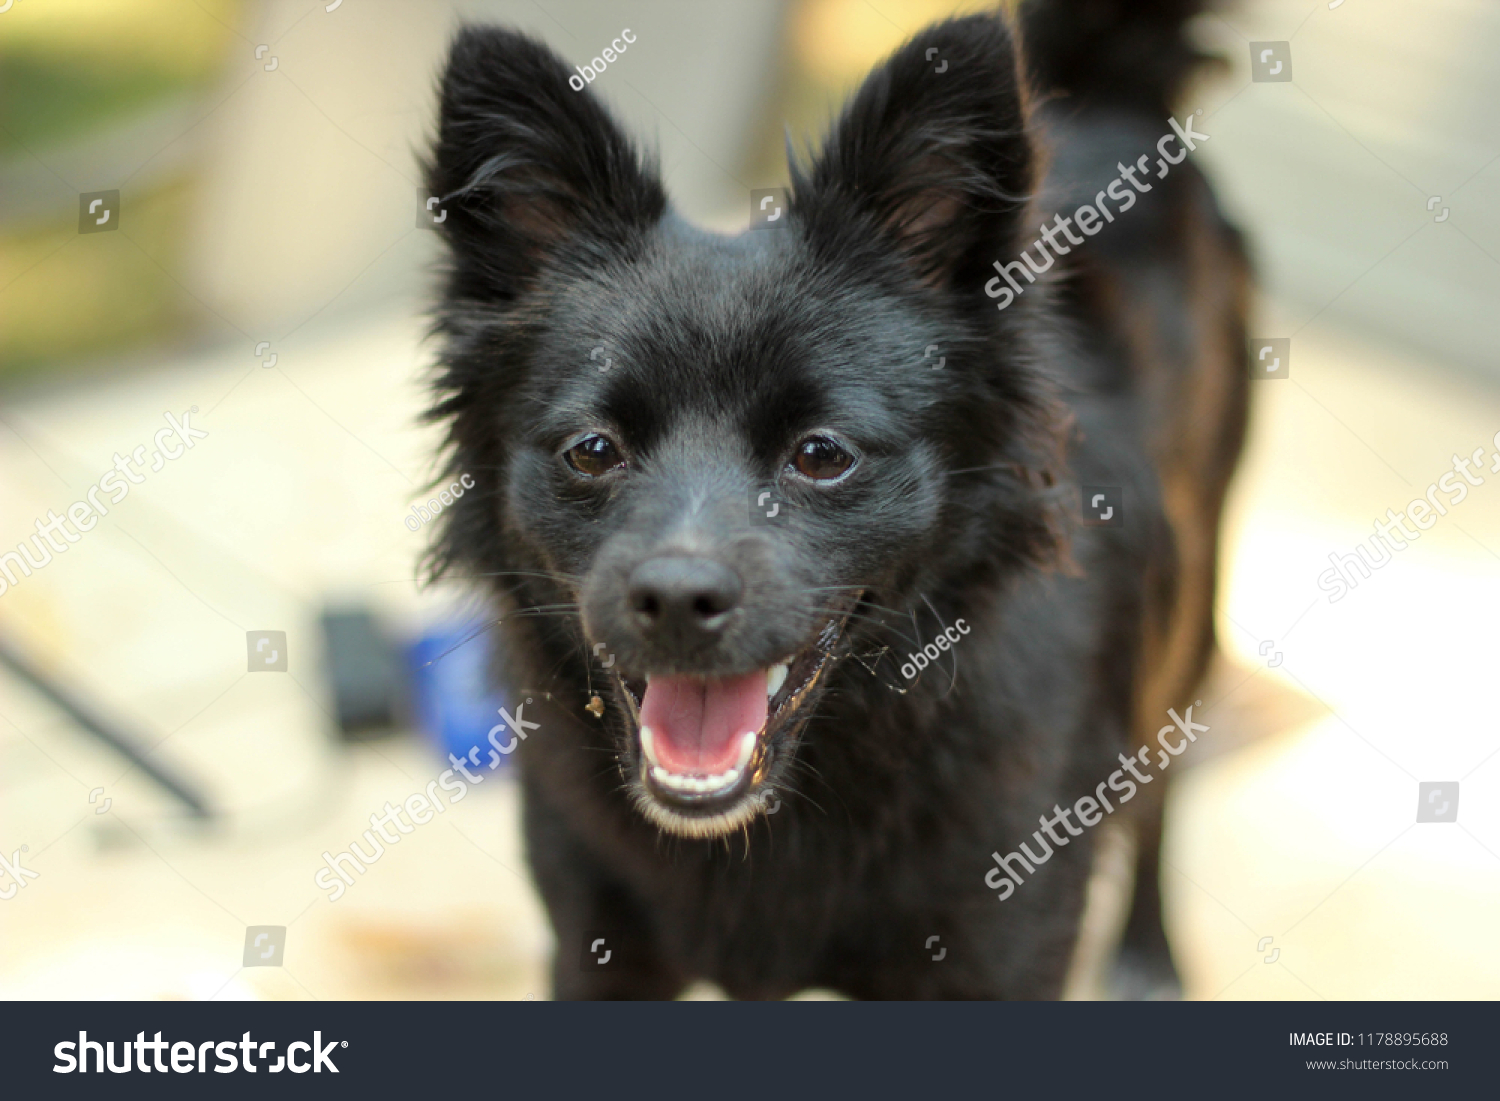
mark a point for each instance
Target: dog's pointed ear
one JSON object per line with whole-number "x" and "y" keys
{"x": 525, "y": 161}
{"x": 930, "y": 156}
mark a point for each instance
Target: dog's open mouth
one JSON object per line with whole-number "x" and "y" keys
{"x": 705, "y": 745}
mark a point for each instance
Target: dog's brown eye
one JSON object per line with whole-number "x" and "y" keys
{"x": 821, "y": 459}
{"x": 593, "y": 456}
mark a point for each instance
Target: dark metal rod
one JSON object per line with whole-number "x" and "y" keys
{"x": 116, "y": 739}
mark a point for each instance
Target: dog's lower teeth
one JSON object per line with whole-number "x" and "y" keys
{"x": 775, "y": 678}
{"x": 695, "y": 785}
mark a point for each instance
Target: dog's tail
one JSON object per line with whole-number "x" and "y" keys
{"x": 1125, "y": 53}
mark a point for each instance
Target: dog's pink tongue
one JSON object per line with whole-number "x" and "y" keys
{"x": 697, "y": 723}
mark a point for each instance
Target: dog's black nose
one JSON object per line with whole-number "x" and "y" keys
{"x": 683, "y": 596}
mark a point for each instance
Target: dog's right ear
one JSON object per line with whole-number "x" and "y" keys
{"x": 523, "y": 163}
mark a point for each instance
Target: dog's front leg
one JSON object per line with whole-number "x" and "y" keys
{"x": 605, "y": 947}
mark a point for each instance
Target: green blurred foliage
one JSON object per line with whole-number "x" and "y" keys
{"x": 71, "y": 73}
{"x": 47, "y": 97}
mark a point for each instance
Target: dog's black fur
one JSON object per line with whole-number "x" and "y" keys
{"x": 1124, "y": 368}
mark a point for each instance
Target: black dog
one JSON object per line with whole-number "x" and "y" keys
{"x": 732, "y": 487}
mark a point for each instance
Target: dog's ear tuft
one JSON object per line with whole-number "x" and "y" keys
{"x": 523, "y": 162}
{"x": 932, "y": 153}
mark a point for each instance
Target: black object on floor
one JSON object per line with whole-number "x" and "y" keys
{"x": 366, "y": 674}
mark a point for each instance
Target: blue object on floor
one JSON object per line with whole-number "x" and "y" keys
{"x": 453, "y": 700}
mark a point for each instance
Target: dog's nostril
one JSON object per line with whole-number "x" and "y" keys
{"x": 682, "y": 592}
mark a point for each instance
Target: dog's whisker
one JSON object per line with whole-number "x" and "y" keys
{"x": 464, "y": 641}
{"x": 564, "y": 579}
{"x": 883, "y": 624}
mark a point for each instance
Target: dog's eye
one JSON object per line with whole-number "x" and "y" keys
{"x": 593, "y": 456}
{"x": 821, "y": 459}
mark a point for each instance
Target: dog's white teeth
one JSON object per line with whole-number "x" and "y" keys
{"x": 648, "y": 747}
{"x": 695, "y": 785}
{"x": 775, "y": 678}
{"x": 747, "y": 749}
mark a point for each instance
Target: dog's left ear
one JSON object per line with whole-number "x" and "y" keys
{"x": 931, "y": 154}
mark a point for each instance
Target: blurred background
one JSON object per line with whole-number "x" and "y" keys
{"x": 262, "y": 266}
